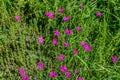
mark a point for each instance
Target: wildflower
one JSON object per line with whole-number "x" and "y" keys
{"x": 65, "y": 43}
{"x": 79, "y": 78}
{"x": 53, "y": 74}
{"x": 49, "y": 14}
{"x": 63, "y": 68}
{"x": 21, "y": 70}
{"x": 114, "y": 58}
{"x": 88, "y": 47}
{"x": 61, "y": 57}
{"x": 67, "y": 31}
{"x": 66, "y": 18}
{"x": 40, "y": 40}
{"x": 68, "y": 74}
{"x": 75, "y": 51}
{"x": 98, "y": 13}
{"x": 76, "y": 71}
{"x": 61, "y": 10}
{"x": 83, "y": 43}
{"x": 25, "y": 77}
{"x": 81, "y": 5}
{"x": 40, "y": 65}
{"x": 56, "y": 33}
{"x": 78, "y": 28}
{"x": 17, "y": 17}
{"x": 55, "y": 41}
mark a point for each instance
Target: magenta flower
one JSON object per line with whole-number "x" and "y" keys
{"x": 79, "y": 78}
{"x": 40, "y": 40}
{"x": 53, "y": 74}
{"x": 81, "y": 5}
{"x": 63, "y": 68}
{"x": 98, "y": 13}
{"x": 76, "y": 71}
{"x": 25, "y": 77}
{"x": 67, "y": 31}
{"x": 66, "y": 18}
{"x": 114, "y": 58}
{"x": 55, "y": 41}
{"x": 17, "y": 17}
{"x": 75, "y": 51}
{"x": 68, "y": 74}
{"x": 56, "y": 33}
{"x": 49, "y": 14}
{"x": 78, "y": 28}
{"x": 83, "y": 43}
{"x": 61, "y": 57}
{"x": 61, "y": 10}
{"x": 40, "y": 65}
{"x": 88, "y": 47}
{"x": 21, "y": 70}
{"x": 65, "y": 43}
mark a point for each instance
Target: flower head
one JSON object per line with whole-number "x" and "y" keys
{"x": 21, "y": 70}
{"x": 61, "y": 10}
{"x": 66, "y": 18}
{"x": 67, "y": 31}
{"x": 55, "y": 41}
{"x": 49, "y": 14}
{"x": 88, "y": 47}
{"x": 61, "y": 57}
{"x": 79, "y": 78}
{"x": 81, "y": 5}
{"x": 56, "y": 33}
{"x": 98, "y": 13}
{"x": 114, "y": 58}
{"x": 40, "y": 40}
{"x": 75, "y": 51}
{"x": 68, "y": 74}
{"x": 17, "y": 17}
{"x": 40, "y": 65}
{"x": 76, "y": 71}
{"x": 83, "y": 43}
{"x": 53, "y": 74}
{"x": 78, "y": 28}
{"x": 25, "y": 77}
{"x": 65, "y": 43}
{"x": 63, "y": 68}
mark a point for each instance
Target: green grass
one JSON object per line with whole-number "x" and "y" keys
{"x": 19, "y": 46}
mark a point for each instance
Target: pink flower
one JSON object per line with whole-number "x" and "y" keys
{"x": 61, "y": 57}
{"x": 25, "y": 77}
{"x": 83, "y": 43}
{"x": 81, "y": 5}
{"x": 65, "y": 43}
{"x": 53, "y": 74}
{"x": 75, "y": 51}
{"x": 67, "y": 31}
{"x": 88, "y": 47}
{"x": 17, "y": 17}
{"x": 40, "y": 65}
{"x": 63, "y": 68}
{"x": 49, "y": 14}
{"x": 68, "y": 74}
{"x": 66, "y": 18}
{"x": 114, "y": 58}
{"x": 61, "y": 10}
{"x": 21, "y": 70}
{"x": 98, "y": 13}
{"x": 76, "y": 71}
{"x": 79, "y": 78}
{"x": 78, "y": 28}
{"x": 40, "y": 40}
{"x": 55, "y": 41}
{"x": 56, "y": 33}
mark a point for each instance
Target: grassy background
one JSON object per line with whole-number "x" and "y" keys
{"x": 19, "y": 46}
